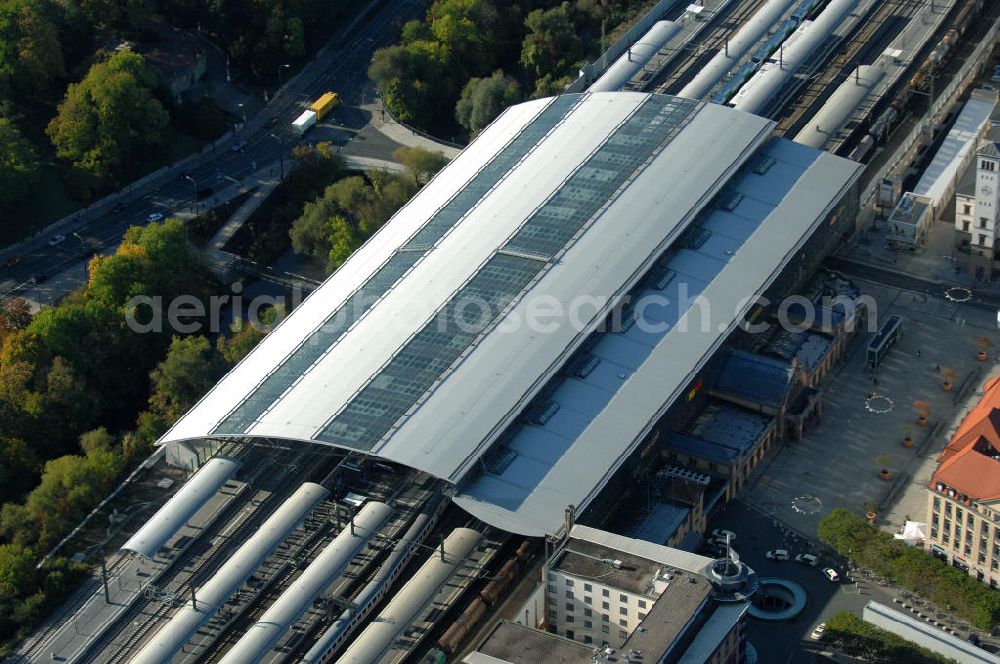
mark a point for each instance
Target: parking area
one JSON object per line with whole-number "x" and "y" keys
{"x": 789, "y": 642}
{"x": 864, "y": 422}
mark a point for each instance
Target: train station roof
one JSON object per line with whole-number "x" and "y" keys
{"x": 437, "y": 335}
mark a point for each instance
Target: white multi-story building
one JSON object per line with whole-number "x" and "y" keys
{"x": 608, "y": 590}
{"x": 977, "y": 207}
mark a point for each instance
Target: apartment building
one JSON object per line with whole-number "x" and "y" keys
{"x": 963, "y": 501}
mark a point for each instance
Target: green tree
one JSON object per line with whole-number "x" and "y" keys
{"x": 483, "y": 99}
{"x": 552, "y": 45}
{"x": 18, "y": 165}
{"x": 343, "y": 241}
{"x": 189, "y": 370}
{"x": 19, "y": 467}
{"x": 110, "y": 119}
{"x": 238, "y": 345}
{"x": 70, "y": 487}
{"x": 97, "y": 440}
{"x": 412, "y": 79}
{"x": 422, "y": 164}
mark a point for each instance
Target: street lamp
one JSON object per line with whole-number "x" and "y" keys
{"x": 194, "y": 187}
{"x": 281, "y": 155}
{"x": 280, "y": 68}
{"x": 243, "y": 112}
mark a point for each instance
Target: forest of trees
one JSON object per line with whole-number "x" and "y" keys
{"x": 470, "y": 59}
{"x": 102, "y": 118}
{"x": 83, "y": 398}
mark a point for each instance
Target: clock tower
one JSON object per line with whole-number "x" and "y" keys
{"x": 984, "y": 227}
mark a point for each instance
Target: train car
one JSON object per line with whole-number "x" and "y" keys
{"x": 470, "y": 619}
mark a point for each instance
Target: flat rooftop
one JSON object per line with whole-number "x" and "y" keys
{"x": 587, "y": 560}
{"x": 518, "y": 644}
{"x": 670, "y": 614}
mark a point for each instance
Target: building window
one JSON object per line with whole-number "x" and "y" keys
{"x": 965, "y": 226}
{"x": 569, "y": 582}
{"x": 994, "y": 563}
{"x": 987, "y": 165}
{"x": 588, "y": 588}
{"x": 587, "y": 639}
{"x": 934, "y": 520}
{"x": 958, "y": 514}
{"x": 569, "y": 606}
{"x": 569, "y": 634}
{"x": 983, "y": 221}
{"x": 569, "y": 594}
{"x": 642, "y": 616}
{"x": 605, "y": 592}
{"x": 966, "y": 209}
{"x": 946, "y": 537}
{"x": 605, "y": 629}
{"x": 623, "y": 634}
{"x": 552, "y": 589}
{"x": 642, "y": 604}
{"x": 947, "y": 525}
{"x": 982, "y": 239}
{"x": 623, "y": 610}
{"x": 934, "y": 533}
{"x": 606, "y": 618}
{"x": 588, "y": 624}
{"x": 947, "y": 509}
{"x": 588, "y": 612}
{"x": 623, "y": 598}
{"x": 623, "y": 622}
{"x": 569, "y": 619}
{"x": 587, "y": 599}
{"x": 605, "y": 605}
{"x": 970, "y": 520}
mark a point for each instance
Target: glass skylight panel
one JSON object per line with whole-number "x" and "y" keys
{"x": 430, "y": 352}
{"x": 552, "y": 226}
{"x": 320, "y": 341}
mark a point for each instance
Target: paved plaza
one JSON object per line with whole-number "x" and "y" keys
{"x": 838, "y": 461}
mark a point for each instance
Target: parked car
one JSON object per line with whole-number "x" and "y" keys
{"x": 777, "y": 554}
{"x": 154, "y": 216}
{"x": 39, "y": 278}
{"x": 722, "y": 534}
{"x": 239, "y": 145}
{"x": 831, "y": 574}
{"x": 817, "y": 633}
{"x": 56, "y": 239}
{"x": 120, "y": 207}
{"x": 807, "y": 559}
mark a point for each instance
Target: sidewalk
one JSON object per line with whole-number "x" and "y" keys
{"x": 386, "y": 125}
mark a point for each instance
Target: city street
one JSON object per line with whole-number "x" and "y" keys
{"x": 99, "y": 228}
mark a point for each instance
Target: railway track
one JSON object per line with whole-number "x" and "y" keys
{"x": 868, "y": 39}
{"x": 206, "y": 554}
{"x": 720, "y": 29}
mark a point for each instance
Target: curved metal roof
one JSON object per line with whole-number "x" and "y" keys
{"x": 397, "y": 615}
{"x": 210, "y": 597}
{"x": 625, "y": 67}
{"x": 182, "y": 506}
{"x": 762, "y": 89}
{"x": 300, "y": 594}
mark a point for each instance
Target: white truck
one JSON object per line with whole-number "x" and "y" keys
{"x": 303, "y": 122}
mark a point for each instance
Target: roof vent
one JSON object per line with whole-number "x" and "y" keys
{"x": 617, "y": 564}
{"x": 764, "y": 165}
{"x": 730, "y": 202}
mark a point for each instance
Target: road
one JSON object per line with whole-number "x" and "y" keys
{"x": 343, "y": 69}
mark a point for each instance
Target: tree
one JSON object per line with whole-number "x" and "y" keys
{"x": 190, "y": 369}
{"x": 412, "y": 79}
{"x": 422, "y": 164}
{"x": 343, "y": 241}
{"x": 97, "y": 440}
{"x": 552, "y": 45}
{"x": 243, "y": 339}
{"x": 110, "y": 120}
{"x": 483, "y": 99}
{"x": 18, "y": 165}
{"x": 19, "y": 468}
